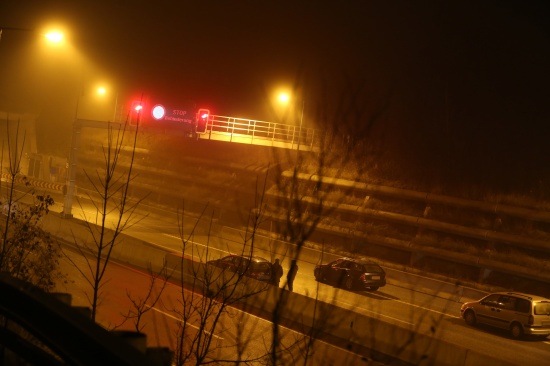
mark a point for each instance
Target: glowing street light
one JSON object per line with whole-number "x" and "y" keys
{"x": 285, "y": 99}
{"x": 104, "y": 91}
{"x": 97, "y": 102}
{"x": 54, "y": 36}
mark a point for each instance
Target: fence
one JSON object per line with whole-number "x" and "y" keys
{"x": 262, "y": 133}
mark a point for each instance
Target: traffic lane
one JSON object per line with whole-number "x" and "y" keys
{"x": 396, "y": 305}
{"x": 119, "y": 286}
{"x": 386, "y": 292}
{"x": 430, "y": 299}
{"x": 429, "y": 285}
{"x": 236, "y": 330}
{"x": 417, "y": 291}
{"x": 305, "y": 283}
{"x": 496, "y": 343}
{"x": 427, "y": 314}
{"x": 451, "y": 329}
{"x": 407, "y": 308}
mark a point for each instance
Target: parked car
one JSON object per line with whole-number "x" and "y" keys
{"x": 255, "y": 267}
{"x": 351, "y": 274}
{"x": 517, "y": 312}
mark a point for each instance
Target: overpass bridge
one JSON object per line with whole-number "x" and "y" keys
{"x": 247, "y": 131}
{"x": 219, "y": 128}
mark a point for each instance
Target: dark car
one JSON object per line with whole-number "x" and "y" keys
{"x": 255, "y": 267}
{"x": 351, "y": 274}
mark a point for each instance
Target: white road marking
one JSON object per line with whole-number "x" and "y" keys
{"x": 178, "y": 319}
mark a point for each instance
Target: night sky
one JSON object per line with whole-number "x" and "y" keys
{"x": 453, "y": 86}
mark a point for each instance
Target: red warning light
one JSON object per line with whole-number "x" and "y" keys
{"x": 135, "y": 111}
{"x": 202, "y": 120}
{"x": 203, "y": 114}
{"x": 137, "y": 106}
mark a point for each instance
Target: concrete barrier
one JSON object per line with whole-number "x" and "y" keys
{"x": 128, "y": 249}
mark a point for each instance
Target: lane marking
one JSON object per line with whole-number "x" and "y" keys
{"x": 364, "y": 309}
{"x": 181, "y": 321}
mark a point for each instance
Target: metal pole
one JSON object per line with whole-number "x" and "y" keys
{"x": 116, "y": 105}
{"x": 71, "y": 173}
{"x": 301, "y": 120}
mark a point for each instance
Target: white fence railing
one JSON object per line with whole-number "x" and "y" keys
{"x": 262, "y": 133}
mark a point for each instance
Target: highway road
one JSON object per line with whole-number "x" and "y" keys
{"x": 414, "y": 302}
{"x": 237, "y": 332}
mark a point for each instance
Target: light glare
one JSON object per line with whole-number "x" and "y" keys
{"x": 283, "y": 97}
{"x": 54, "y": 37}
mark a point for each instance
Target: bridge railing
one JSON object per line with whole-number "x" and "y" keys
{"x": 260, "y": 132}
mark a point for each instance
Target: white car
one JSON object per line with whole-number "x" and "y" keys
{"x": 517, "y": 312}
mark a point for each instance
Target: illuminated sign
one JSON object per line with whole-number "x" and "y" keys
{"x": 178, "y": 115}
{"x": 158, "y": 112}
{"x": 174, "y": 115}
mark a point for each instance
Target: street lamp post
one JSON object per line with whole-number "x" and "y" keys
{"x": 70, "y": 185}
{"x": 116, "y": 106}
{"x": 103, "y": 91}
{"x": 69, "y": 188}
{"x": 57, "y": 37}
{"x": 52, "y": 36}
{"x": 301, "y": 121}
{"x": 285, "y": 98}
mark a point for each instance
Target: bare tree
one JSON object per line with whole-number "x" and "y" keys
{"x": 27, "y": 252}
{"x": 297, "y": 207}
{"x": 211, "y": 294}
{"x": 142, "y": 305}
{"x": 300, "y": 201}
{"x": 115, "y": 208}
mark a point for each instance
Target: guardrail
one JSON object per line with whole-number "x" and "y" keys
{"x": 263, "y": 133}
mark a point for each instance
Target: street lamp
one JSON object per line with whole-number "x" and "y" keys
{"x": 104, "y": 92}
{"x": 53, "y": 36}
{"x": 284, "y": 98}
{"x": 98, "y": 103}
{"x": 16, "y": 44}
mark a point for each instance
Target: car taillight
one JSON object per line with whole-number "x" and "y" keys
{"x": 531, "y": 320}
{"x": 363, "y": 277}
